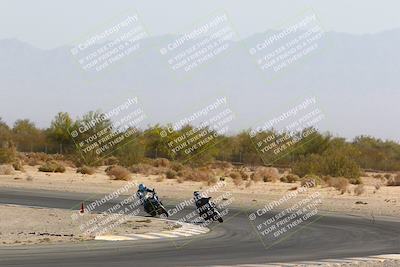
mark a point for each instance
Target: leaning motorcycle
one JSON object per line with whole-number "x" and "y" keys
{"x": 153, "y": 206}
{"x": 209, "y": 212}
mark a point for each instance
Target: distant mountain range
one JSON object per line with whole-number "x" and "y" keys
{"x": 355, "y": 79}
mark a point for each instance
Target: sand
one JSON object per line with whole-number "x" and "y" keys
{"x": 374, "y": 202}
{"x": 20, "y": 225}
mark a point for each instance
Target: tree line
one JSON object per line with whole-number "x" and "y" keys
{"x": 318, "y": 153}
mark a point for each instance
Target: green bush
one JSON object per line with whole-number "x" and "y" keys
{"x": 336, "y": 164}
{"x": 7, "y": 155}
{"x": 52, "y": 166}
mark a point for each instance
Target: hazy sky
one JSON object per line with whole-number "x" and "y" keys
{"x": 52, "y": 23}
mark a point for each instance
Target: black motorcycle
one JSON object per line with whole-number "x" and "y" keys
{"x": 208, "y": 211}
{"x": 153, "y": 205}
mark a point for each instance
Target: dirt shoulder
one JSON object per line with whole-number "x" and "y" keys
{"x": 22, "y": 225}
{"x": 382, "y": 201}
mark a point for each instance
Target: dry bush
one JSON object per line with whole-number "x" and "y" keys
{"x": 290, "y": 178}
{"x": 244, "y": 175}
{"x": 198, "y": 175}
{"x": 235, "y": 175}
{"x": 176, "y": 166}
{"x": 117, "y": 172}
{"x": 387, "y": 176}
{"x": 33, "y": 162}
{"x": 17, "y": 165}
{"x": 355, "y": 181}
{"x": 394, "y": 180}
{"x": 171, "y": 174}
{"x": 339, "y": 183}
{"x": 377, "y": 176}
{"x": 52, "y": 166}
{"x": 180, "y": 180}
{"x": 142, "y": 168}
{"x": 111, "y": 161}
{"x": 86, "y": 170}
{"x": 359, "y": 190}
{"x": 161, "y": 162}
{"x": 311, "y": 180}
{"x": 266, "y": 174}
{"x": 212, "y": 181}
{"x": 6, "y": 170}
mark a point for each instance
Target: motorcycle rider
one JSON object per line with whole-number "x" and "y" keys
{"x": 143, "y": 190}
{"x": 202, "y": 203}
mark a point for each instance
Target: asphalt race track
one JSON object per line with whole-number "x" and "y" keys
{"x": 233, "y": 242}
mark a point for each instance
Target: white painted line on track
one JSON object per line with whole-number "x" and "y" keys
{"x": 186, "y": 230}
{"x": 372, "y": 261}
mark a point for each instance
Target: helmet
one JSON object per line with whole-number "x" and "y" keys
{"x": 142, "y": 187}
{"x": 197, "y": 194}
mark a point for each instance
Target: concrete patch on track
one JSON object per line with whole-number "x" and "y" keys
{"x": 185, "y": 230}
{"x": 388, "y": 260}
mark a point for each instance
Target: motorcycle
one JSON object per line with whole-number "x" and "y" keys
{"x": 153, "y": 205}
{"x": 208, "y": 211}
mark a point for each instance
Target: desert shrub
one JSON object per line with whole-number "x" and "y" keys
{"x": 171, "y": 174}
{"x": 111, "y": 161}
{"x": 142, "y": 168}
{"x": 6, "y": 170}
{"x": 212, "y": 180}
{"x": 359, "y": 190}
{"x": 17, "y": 165}
{"x": 355, "y": 181}
{"x": 339, "y": 183}
{"x": 86, "y": 170}
{"x": 387, "y": 176}
{"x": 52, "y": 166}
{"x": 176, "y": 166}
{"x": 244, "y": 175}
{"x": 118, "y": 173}
{"x": 180, "y": 180}
{"x": 311, "y": 180}
{"x": 33, "y": 162}
{"x": 378, "y": 176}
{"x": 394, "y": 180}
{"x": 161, "y": 162}
{"x": 290, "y": 178}
{"x": 266, "y": 174}
{"x": 235, "y": 175}
{"x": 197, "y": 175}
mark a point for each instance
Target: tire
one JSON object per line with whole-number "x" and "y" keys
{"x": 163, "y": 212}
{"x": 148, "y": 207}
{"x": 220, "y": 220}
